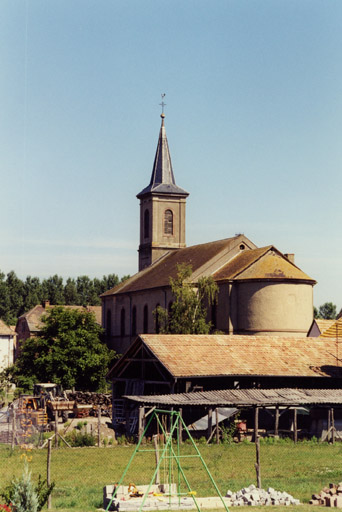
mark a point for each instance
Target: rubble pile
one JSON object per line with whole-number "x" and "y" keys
{"x": 329, "y": 496}
{"x": 253, "y": 496}
{"x": 102, "y": 400}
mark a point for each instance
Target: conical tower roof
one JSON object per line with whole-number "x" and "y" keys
{"x": 162, "y": 178}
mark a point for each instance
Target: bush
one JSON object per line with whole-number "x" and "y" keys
{"x": 77, "y": 439}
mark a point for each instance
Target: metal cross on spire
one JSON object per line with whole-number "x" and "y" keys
{"x": 162, "y": 103}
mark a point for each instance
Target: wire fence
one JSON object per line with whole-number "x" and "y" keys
{"x": 81, "y": 473}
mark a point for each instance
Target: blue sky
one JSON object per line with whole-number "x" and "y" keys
{"x": 253, "y": 118}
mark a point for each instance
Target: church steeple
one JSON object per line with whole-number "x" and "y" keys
{"x": 162, "y": 207}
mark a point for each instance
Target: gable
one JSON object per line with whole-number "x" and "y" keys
{"x": 266, "y": 263}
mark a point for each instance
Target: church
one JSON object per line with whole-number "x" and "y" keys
{"x": 261, "y": 291}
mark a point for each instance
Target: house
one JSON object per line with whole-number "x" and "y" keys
{"x": 169, "y": 364}
{"x": 261, "y": 290}
{"x": 7, "y": 345}
{"x": 29, "y": 324}
{"x": 326, "y": 328}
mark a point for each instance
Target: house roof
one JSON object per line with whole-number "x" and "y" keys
{"x": 34, "y": 316}
{"x": 245, "y": 397}
{"x": 323, "y": 324}
{"x": 263, "y": 263}
{"x": 200, "y": 257}
{"x": 162, "y": 179}
{"x": 5, "y": 330}
{"x": 222, "y": 355}
{"x": 334, "y": 330}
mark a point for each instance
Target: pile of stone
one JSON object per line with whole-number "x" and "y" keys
{"x": 253, "y": 496}
{"x": 329, "y": 496}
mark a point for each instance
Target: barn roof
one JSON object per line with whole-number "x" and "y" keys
{"x": 237, "y": 355}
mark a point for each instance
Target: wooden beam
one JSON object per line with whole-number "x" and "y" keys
{"x": 210, "y": 422}
{"x": 295, "y": 430}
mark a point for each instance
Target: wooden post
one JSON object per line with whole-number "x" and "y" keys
{"x": 217, "y": 427}
{"x": 257, "y": 447}
{"x": 180, "y": 426}
{"x": 256, "y": 423}
{"x": 295, "y": 430}
{"x": 56, "y": 429}
{"x": 13, "y": 429}
{"x": 48, "y": 471}
{"x": 210, "y": 422}
{"x": 329, "y": 425}
{"x": 141, "y": 421}
{"x": 99, "y": 427}
{"x": 332, "y": 426}
{"x": 276, "y": 422}
{"x": 156, "y": 448}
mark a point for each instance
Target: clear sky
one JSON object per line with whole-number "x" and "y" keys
{"x": 253, "y": 119}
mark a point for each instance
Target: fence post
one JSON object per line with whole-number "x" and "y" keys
{"x": 217, "y": 427}
{"x": 99, "y": 427}
{"x": 295, "y": 431}
{"x": 210, "y": 422}
{"x": 56, "y": 429}
{"x": 276, "y": 426}
{"x": 180, "y": 426}
{"x": 48, "y": 471}
{"x": 257, "y": 446}
{"x": 332, "y": 426}
{"x": 13, "y": 429}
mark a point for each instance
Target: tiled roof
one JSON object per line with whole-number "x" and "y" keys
{"x": 222, "y": 355}
{"x": 198, "y": 256}
{"x": 323, "y": 324}
{"x": 34, "y": 316}
{"x": 333, "y": 331}
{"x": 264, "y": 263}
{"x": 5, "y": 330}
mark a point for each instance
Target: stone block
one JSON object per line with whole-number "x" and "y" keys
{"x": 338, "y": 501}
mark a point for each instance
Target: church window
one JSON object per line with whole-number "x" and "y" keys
{"x": 134, "y": 321}
{"x": 122, "y": 322}
{"x": 146, "y": 224}
{"x": 109, "y": 323}
{"x": 157, "y": 319}
{"x": 168, "y": 222}
{"x": 214, "y": 315}
{"x": 145, "y": 329}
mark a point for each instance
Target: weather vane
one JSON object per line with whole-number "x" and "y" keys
{"x": 162, "y": 103}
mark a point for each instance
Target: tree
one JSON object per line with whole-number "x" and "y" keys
{"x": 188, "y": 311}
{"x": 327, "y": 311}
{"x": 68, "y": 351}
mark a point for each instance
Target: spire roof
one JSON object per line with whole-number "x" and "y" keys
{"x": 162, "y": 178}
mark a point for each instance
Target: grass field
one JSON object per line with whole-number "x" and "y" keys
{"x": 81, "y": 473}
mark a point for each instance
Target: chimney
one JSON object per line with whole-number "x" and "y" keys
{"x": 46, "y": 304}
{"x": 290, "y": 256}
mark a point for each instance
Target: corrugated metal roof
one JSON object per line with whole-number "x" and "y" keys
{"x": 246, "y": 398}
{"x": 214, "y": 355}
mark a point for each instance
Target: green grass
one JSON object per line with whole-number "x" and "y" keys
{"x": 81, "y": 473}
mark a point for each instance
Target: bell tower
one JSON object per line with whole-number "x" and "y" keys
{"x": 162, "y": 208}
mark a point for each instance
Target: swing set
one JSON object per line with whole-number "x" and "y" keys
{"x": 167, "y": 456}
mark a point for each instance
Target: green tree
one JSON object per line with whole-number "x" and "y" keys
{"x": 68, "y": 351}
{"x": 33, "y": 292}
{"x": 53, "y": 289}
{"x": 188, "y": 311}
{"x": 4, "y": 298}
{"x": 71, "y": 296}
{"x": 15, "y": 288}
{"x": 327, "y": 311}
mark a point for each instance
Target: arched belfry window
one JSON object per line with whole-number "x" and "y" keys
{"x": 168, "y": 222}
{"x": 145, "y": 320}
{"x": 123, "y": 322}
{"x": 146, "y": 224}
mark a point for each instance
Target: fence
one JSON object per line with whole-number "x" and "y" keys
{"x": 81, "y": 473}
